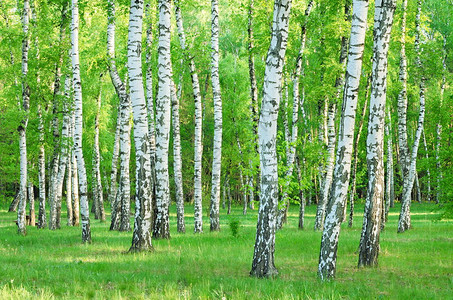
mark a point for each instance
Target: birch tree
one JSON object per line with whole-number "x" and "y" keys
{"x": 198, "y": 213}
{"x": 161, "y": 228}
{"x": 263, "y": 256}
{"x": 22, "y": 230}
{"x": 295, "y": 121}
{"x": 369, "y": 241}
{"x": 77, "y": 86}
{"x": 177, "y": 160}
{"x": 97, "y": 190}
{"x": 141, "y": 239}
{"x": 328, "y": 169}
{"x": 217, "y": 145}
{"x": 389, "y": 183}
{"x": 121, "y": 203}
{"x": 337, "y": 197}
{"x": 439, "y": 124}
{"x": 404, "y": 222}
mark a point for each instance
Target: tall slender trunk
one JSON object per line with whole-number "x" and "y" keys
{"x": 389, "y": 185}
{"x": 352, "y": 192}
{"x": 301, "y": 194}
{"x": 402, "y": 101}
{"x": 77, "y": 85}
{"x": 217, "y": 145}
{"x": 328, "y": 169}
{"x": 404, "y": 222}
{"x": 31, "y": 203}
{"x": 177, "y": 161}
{"x": 282, "y": 214}
{"x": 439, "y": 124}
{"x": 22, "y": 230}
{"x": 141, "y": 239}
{"x": 369, "y": 241}
{"x": 198, "y": 213}
{"x": 98, "y": 190}
{"x": 75, "y": 192}
{"x": 42, "y": 222}
{"x": 161, "y": 228}
{"x": 263, "y": 256}
{"x": 114, "y": 170}
{"x": 69, "y": 200}
{"x": 253, "y": 97}
{"x": 428, "y": 173}
{"x": 121, "y": 200}
{"x": 149, "y": 12}
{"x": 339, "y": 190}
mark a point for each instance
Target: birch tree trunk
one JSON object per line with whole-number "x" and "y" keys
{"x": 77, "y": 85}
{"x": 301, "y": 195}
{"x": 69, "y": 200}
{"x": 217, "y": 144}
{"x": 22, "y": 230}
{"x": 55, "y": 201}
{"x": 75, "y": 177}
{"x": 404, "y": 222}
{"x": 121, "y": 198}
{"x": 369, "y": 241}
{"x": 177, "y": 161}
{"x": 337, "y": 197}
{"x": 389, "y": 185}
{"x": 114, "y": 171}
{"x": 141, "y": 239}
{"x": 253, "y": 100}
{"x": 328, "y": 169}
{"x": 31, "y": 203}
{"x": 42, "y": 221}
{"x": 150, "y": 101}
{"x": 352, "y": 192}
{"x": 98, "y": 191}
{"x": 402, "y": 100}
{"x": 198, "y": 213}
{"x": 161, "y": 228}
{"x": 282, "y": 214}
{"x": 428, "y": 173}
{"x": 263, "y": 256}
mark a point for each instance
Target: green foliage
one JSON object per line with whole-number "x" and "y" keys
{"x": 234, "y": 226}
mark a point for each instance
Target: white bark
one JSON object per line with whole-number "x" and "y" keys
{"x": 282, "y": 216}
{"x": 369, "y": 241}
{"x": 69, "y": 184}
{"x": 75, "y": 192}
{"x": 98, "y": 190}
{"x": 31, "y": 203}
{"x": 402, "y": 101}
{"x": 161, "y": 227}
{"x": 177, "y": 160}
{"x": 198, "y": 213}
{"x": 217, "y": 145}
{"x": 339, "y": 190}
{"x": 389, "y": 184}
{"x": 404, "y": 222}
{"x": 263, "y": 256}
{"x": 121, "y": 200}
{"x": 141, "y": 240}
{"x": 42, "y": 222}
{"x": 77, "y": 85}
{"x": 24, "y": 122}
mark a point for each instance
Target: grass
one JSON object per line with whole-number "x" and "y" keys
{"x": 43, "y": 265}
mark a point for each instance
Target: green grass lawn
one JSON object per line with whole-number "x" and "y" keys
{"x": 415, "y": 265}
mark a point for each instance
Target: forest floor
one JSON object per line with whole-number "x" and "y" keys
{"x": 215, "y": 265}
